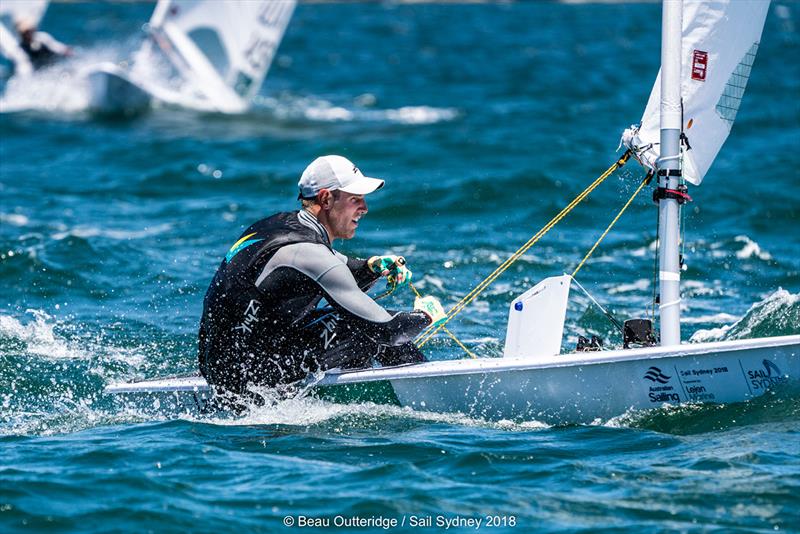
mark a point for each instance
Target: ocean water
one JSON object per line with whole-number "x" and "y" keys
{"x": 485, "y": 120}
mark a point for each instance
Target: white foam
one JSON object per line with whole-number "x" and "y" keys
{"x": 715, "y": 318}
{"x": 41, "y": 339}
{"x": 639, "y": 285}
{"x": 86, "y": 232}
{"x": 771, "y": 306}
{"x": 320, "y": 110}
{"x": 14, "y": 219}
{"x": 38, "y": 335}
{"x": 308, "y": 411}
{"x": 751, "y": 249}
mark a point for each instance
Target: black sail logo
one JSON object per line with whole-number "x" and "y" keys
{"x": 769, "y": 366}
{"x": 654, "y": 374}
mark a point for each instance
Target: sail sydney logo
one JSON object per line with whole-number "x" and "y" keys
{"x": 764, "y": 378}
{"x": 662, "y": 393}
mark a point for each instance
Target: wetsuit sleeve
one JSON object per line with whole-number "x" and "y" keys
{"x": 341, "y": 290}
{"x": 50, "y": 42}
{"x": 364, "y": 276}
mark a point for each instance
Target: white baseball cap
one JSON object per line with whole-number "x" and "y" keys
{"x": 335, "y": 172}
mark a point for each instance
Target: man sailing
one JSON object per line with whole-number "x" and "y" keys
{"x": 261, "y": 323}
{"x": 36, "y": 49}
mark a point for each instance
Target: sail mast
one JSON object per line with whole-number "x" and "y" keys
{"x": 669, "y": 173}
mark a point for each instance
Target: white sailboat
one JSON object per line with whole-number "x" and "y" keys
{"x": 707, "y": 50}
{"x": 218, "y": 53}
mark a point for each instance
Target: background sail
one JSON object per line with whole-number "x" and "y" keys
{"x": 31, "y": 10}
{"x": 720, "y": 41}
{"x": 223, "y": 48}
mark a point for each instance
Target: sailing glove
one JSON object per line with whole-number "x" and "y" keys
{"x": 393, "y": 268}
{"x": 432, "y": 308}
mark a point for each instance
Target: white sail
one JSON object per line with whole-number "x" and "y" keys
{"x": 223, "y": 49}
{"x": 30, "y": 10}
{"x": 719, "y": 45}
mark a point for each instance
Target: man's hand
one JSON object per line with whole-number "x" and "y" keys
{"x": 432, "y": 308}
{"x": 392, "y": 267}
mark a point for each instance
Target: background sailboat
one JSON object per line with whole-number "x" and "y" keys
{"x": 205, "y": 55}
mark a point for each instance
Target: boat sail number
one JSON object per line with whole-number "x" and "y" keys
{"x": 699, "y": 65}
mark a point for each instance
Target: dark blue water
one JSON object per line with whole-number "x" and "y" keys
{"x": 485, "y": 120}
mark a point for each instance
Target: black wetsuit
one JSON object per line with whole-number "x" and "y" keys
{"x": 42, "y": 50}
{"x": 261, "y": 324}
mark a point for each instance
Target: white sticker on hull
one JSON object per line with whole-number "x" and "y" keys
{"x": 715, "y": 381}
{"x": 764, "y": 377}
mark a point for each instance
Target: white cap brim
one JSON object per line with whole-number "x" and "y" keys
{"x": 363, "y": 186}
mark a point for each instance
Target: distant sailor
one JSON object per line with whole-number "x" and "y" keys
{"x": 41, "y": 49}
{"x": 261, "y": 323}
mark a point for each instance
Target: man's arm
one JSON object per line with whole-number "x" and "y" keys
{"x": 365, "y": 277}
{"x": 54, "y": 45}
{"x": 342, "y": 291}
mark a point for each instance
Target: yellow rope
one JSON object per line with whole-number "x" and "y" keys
{"x": 603, "y": 235}
{"x": 447, "y": 331}
{"x": 426, "y": 335}
{"x": 459, "y": 343}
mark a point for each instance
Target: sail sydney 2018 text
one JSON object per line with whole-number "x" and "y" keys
{"x": 386, "y": 523}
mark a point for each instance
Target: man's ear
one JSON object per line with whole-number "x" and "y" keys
{"x": 325, "y": 199}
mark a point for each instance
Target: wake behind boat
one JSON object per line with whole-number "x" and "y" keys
{"x": 708, "y": 49}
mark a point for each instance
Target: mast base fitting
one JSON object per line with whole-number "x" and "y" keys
{"x": 586, "y": 345}
{"x": 680, "y": 194}
{"x": 639, "y": 333}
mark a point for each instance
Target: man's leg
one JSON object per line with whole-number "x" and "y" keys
{"x": 343, "y": 341}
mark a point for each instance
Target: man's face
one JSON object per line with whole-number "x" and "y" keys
{"x": 344, "y": 213}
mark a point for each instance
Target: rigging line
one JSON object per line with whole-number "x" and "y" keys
{"x": 608, "y": 314}
{"x": 655, "y": 267}
{"x": 613, "y": 222}
{"x": 426, "y": 335}
{"x": 447, "y": 330}
{"x": 459, "y": 343}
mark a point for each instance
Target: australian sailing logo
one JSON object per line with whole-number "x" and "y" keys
{"x": 663, "y": 392}
{"x": 240, "y": 245}
{"x": 769, "y": 376}
{"x": 654, "y": 374}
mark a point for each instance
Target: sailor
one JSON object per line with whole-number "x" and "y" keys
{"x": 41, "y": 49}
{"x": 261, "y": 321}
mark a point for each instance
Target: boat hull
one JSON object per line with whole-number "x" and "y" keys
{"x": 584, "y": 387}
{"x": 568, "y": 388}
{"x": 111, "y": 90}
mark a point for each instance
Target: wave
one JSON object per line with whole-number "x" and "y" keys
{"x": 14, "y": 219}
{"x": 779, "y": 405}
{"x": 778, "y": 314}
{"x": 311, "y": 411}
{"x": 287, "y": 107}
{"x": 86, "y": 232}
